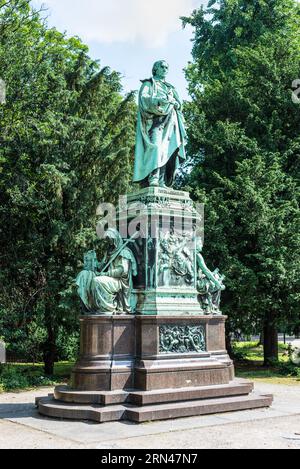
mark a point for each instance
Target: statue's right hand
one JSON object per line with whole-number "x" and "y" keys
{"x": 164, "y": 102}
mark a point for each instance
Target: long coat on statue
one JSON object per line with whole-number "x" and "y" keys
{"x": 161, "y": 136}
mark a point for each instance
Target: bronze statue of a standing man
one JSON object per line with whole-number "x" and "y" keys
{"x": 161, "y": 136}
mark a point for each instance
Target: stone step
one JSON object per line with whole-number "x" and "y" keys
{"x": 50, "y": 407}
{"x": 196, "y": 408}
{"x": 53, "y": 408}
{"x": 234, "y": 388}
{"x": 66, "y": 394}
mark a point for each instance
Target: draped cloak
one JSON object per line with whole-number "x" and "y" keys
{"x": 109, "y": 293}
{"x": 169, "y": 148}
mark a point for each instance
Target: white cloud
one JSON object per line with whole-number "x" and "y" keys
{"x": 109, "y": 21}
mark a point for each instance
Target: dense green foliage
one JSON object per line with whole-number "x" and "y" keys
{"x": 65, "y": 145}
{"x": 244, "y": 138}
{"x": 26, "y": 376}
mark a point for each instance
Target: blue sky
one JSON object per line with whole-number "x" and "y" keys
{"x": 129, "y": 35}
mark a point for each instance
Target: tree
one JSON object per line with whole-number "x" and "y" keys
{"x": 66, "y": 145}
{"x": 244, "y": 136}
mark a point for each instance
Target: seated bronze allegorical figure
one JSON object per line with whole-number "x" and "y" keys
{"x": 106, "y": 288}
{"x": 209, "y": 284}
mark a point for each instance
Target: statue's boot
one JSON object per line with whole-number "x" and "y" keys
{"x": 162, "y": 177}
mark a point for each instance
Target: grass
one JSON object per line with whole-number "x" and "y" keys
{"x": 252, "y": 352}
{"x": 249, "y": 364}
{"x": 25, "y": 376}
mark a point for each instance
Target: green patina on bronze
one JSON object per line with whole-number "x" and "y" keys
{"x": 182, "y": 339}
{"x": 171, "y": 276}
{"x": 161, "y": 135}
{"x": 106, "y": 288}
{"x": 209, "y": 284}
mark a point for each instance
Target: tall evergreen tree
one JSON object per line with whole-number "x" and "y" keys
{"x": 244, "y": 138}
{"x": 66, "y": 145}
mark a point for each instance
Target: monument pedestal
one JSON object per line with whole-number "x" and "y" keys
{"x": 169, "y": 359}
{"x": 107, "y": 355}
{"x": 180, "y": 352}
{"x": 122, "y": 374}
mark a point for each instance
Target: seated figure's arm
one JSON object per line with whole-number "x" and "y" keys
{"x": 120, "y": 270}
{"x": 202, "y": 265}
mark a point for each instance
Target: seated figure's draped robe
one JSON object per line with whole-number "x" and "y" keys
{"x": 110, "y": 292}
{"x": 161, "y": 136}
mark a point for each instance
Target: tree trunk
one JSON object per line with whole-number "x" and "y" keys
{"x": 229, "y": 344}
{"x": 50, "y": 352}
{"x": 270, "y": 339}
{"x": 297, "y": 332}
{"x": 261, "y": 338}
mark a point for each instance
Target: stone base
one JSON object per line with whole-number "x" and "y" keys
{"x": 151, "y": 405}
{"x": 124, "y": 352}
{"x": 107, "y": 353}
{"x": 158, "y": 369}
{"x": 123, "y": 373}
{"x": 185, "y": 373}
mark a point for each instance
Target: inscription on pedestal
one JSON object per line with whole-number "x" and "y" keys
{"x": 181, "y": 339}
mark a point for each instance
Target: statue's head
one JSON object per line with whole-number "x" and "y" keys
{"x": 114, "y": 238}
{"x": 160, "y": 69}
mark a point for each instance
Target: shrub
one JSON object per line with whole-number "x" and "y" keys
{"x": 288, "y": 369}
{"x": 67, "y": 345}
{"x": 14, "y": 377}
{"x": 11, "y": 378}
{"x": 295, "y": 356}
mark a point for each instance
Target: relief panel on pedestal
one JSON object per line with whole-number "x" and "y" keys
{"x": 182, "y": 338}
{"x": 176, "y": 260}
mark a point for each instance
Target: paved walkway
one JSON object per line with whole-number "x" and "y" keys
{"x": 279, "y": 427}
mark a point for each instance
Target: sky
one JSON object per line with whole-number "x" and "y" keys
{"x": 129, "y": 35}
